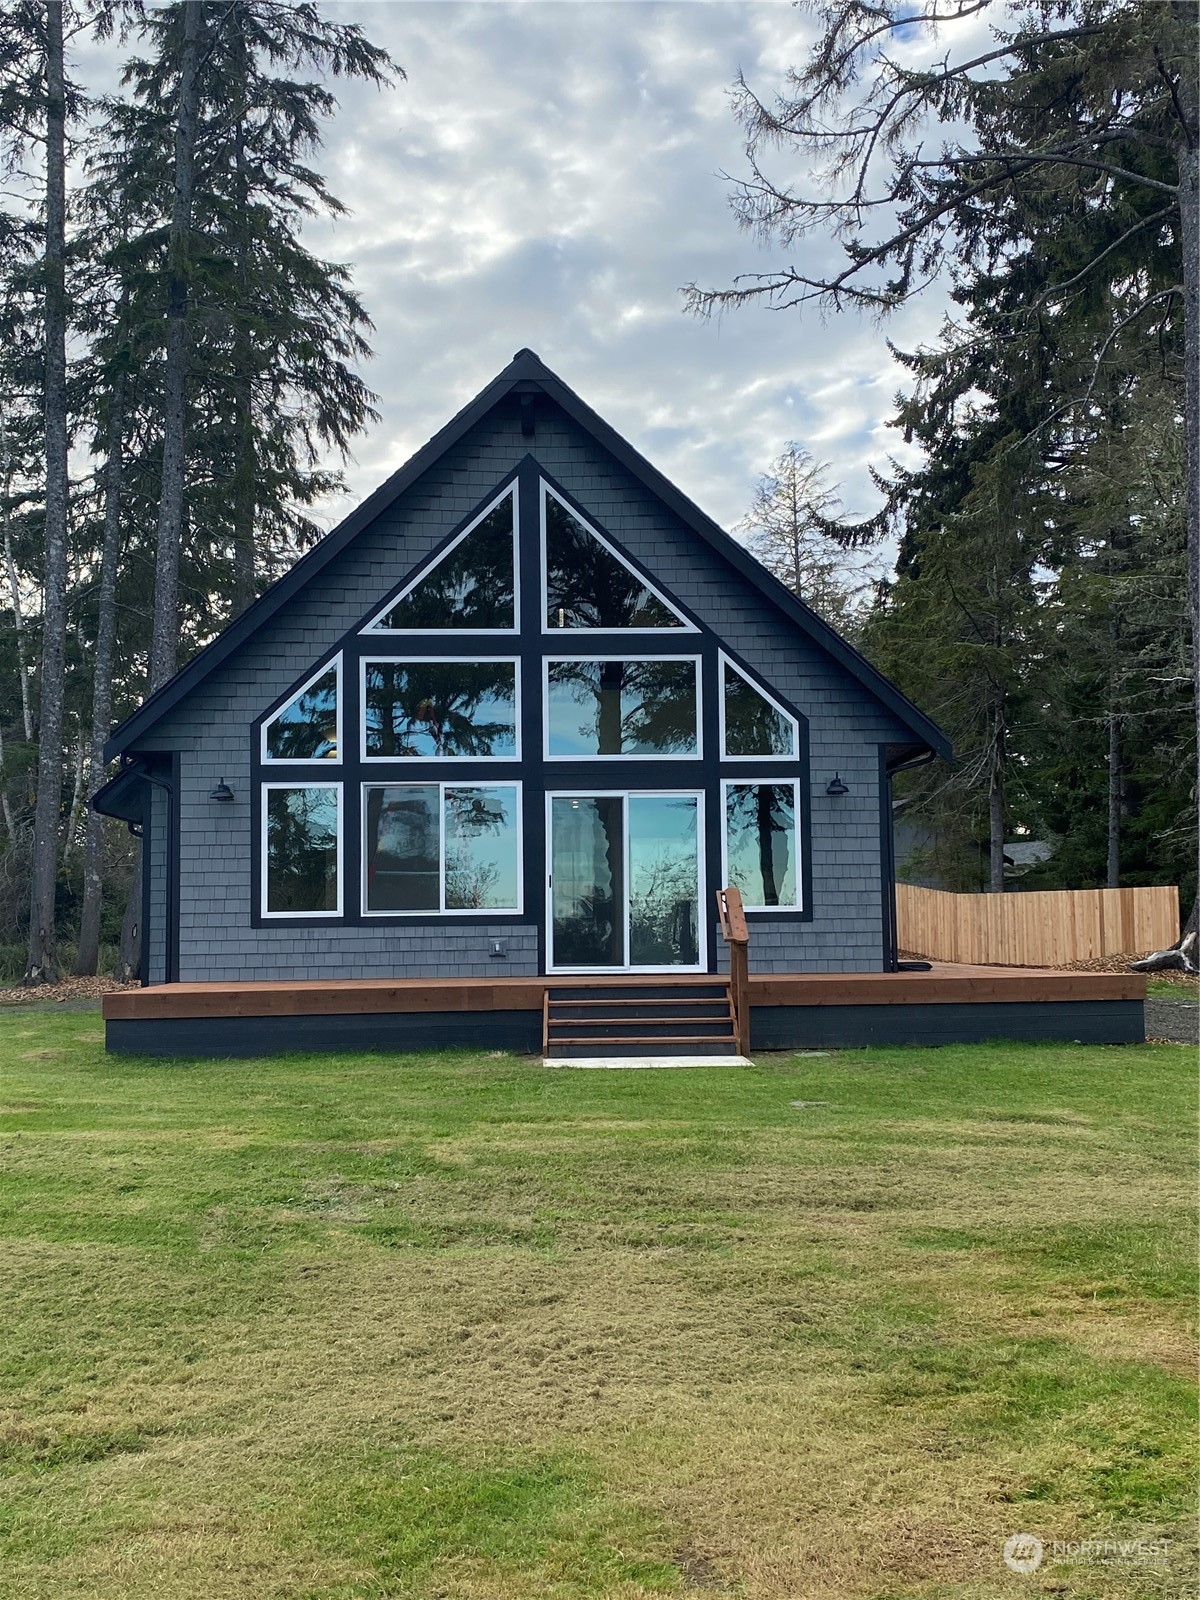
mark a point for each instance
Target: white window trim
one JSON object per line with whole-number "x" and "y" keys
{"x": 582, "y": 633}
{"x": 727, "y": 664}
{"x": 442, "y": 909}
{"x": 374, "y": 627}
{"x": 293, "y": 695}
{"x": 777, "y": 781}
{"x": 626, "y": 655}
{"x": 625, "y": 795}
{"x": 417, "y": 661}
{"x": 293, "y": 916}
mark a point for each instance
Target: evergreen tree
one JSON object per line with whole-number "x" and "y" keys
{"x": 1063, "y": 202}
{"x": 791, "y": 529}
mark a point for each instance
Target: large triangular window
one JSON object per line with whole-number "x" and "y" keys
{"x": 752, "y": 724}
{"x": 470, "y": 586}
{"x": 588, "y": 585}
{"x": 308, "y": 726}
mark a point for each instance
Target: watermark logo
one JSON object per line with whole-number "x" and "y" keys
{"x": 1023, "y": 1552}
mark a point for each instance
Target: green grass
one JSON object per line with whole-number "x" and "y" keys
{"x": 1181, "y": 989}
{"x": 457, "y": 1326}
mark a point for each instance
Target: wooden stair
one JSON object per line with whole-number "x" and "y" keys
{"x": 640, "y": 1017}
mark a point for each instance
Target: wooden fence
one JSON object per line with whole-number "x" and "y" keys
{"x": 1041, "y": 928}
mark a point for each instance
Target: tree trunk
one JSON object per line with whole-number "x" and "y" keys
{"x": 766, "y": 844}
{"x": 129, "y": 962}
{"x": 87, "y": 956}
{"x": 996, "y": 809}
{"x": 78, "y": 793}
{"x": 1113, "y": 876}
{"x": 243, "y": 486}
{"x": 169, "y": 531}
{"x": 1189, "y": 215}
{"x": 14, "y": 585}
{"x": 42, "y": 966}
{"x": 5, "y": 806}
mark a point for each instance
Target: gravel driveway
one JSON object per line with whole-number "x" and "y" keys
{"x": 1178, "y": 1020}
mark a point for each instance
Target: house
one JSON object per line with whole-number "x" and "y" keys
{"x": 505, "y": 732}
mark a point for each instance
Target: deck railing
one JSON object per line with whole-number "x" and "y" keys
{"x": 736, "y": 934}
{"x": 1041, "y": 928}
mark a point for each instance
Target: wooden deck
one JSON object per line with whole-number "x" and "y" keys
{"x": 945, "y": 984}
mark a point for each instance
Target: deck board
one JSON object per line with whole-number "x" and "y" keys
{"x": 945, "y": 984}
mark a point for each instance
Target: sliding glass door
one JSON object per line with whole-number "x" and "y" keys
{"x": 625, "y": 876}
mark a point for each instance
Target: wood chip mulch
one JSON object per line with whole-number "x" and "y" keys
{"x": 49, "y": 994}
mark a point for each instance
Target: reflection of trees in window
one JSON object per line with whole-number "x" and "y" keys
{"x": 472, "y": 586}
{"x": 587, "y": 872}
{"x": 306, "y": 728}
{"x": 760, "y": 822}
{"x": 663, "y": 881}
{"x": 624, "y": 708}
{"x": 302, "y": 849}
{"x": 441, "y": 708}
{"x": 481, "y": 849}
{"x": 402, "y": 851}
{"x": 588, "y": 587}
{"x": 404, "y": 830}
{"x": 753, "y": 726}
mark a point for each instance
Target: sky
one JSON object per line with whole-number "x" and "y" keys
{"x": 549, "y": 174}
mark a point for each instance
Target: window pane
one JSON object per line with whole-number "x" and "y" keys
{"x": 760, "y": 830}
{"x": 472, "y": 586}
{"x": 614, "y": 708}
{"x": 664, "y": 881}
{"x": 482, "y": 848}
{"x": 401, "y": 842}
{"x": 441, "y": 708}
{"x": 302, "y": 849}
{"x": 306, "y": 728}
{"x": 588, "y": 587}
{"x": 587, "y": 880}
{"x": 753, "y": 726}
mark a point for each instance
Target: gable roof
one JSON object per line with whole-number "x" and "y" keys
{"x": 525, "y": 373}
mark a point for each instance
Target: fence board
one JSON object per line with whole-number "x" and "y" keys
{"x": 1043, "y": 928}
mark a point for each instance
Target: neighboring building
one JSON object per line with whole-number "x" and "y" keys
{"x": 527, "y": 703}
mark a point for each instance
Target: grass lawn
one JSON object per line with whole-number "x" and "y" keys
{"x": 461, "y": 1326}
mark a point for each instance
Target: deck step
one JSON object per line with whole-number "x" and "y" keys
{"x": 656, "y": 1016}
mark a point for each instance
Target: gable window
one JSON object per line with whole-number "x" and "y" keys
{"x": 588, "y": 585}
{"x": 640, "y": 708}
{"x": 762, "y": 856}
{"x": 301, "y": 868}
{"x": 471, "y": 586}
{"x": 438, "y": 847}
{"x": 308, "y": 727}
{"x": 445, "y": 710}
{"x": 752, "y": 724}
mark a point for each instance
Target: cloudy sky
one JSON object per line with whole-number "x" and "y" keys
{"x": 549, "y": 174}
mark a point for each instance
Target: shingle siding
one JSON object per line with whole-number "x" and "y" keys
{"x": 212, "y": 731}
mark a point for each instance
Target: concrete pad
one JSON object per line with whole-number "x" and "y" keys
{"x": 613, "y": 1062}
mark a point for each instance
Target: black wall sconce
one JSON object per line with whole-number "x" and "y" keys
{"x": 835, "y": 786}
{"x": 223, "y": 794}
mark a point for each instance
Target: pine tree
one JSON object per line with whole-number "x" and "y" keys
{"x": 230, "y": 373}
{"x": 791, "y": 529}
{"x": 1062, "y": 203}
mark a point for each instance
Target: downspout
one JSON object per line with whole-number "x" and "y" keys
{"x": 893, "y": 954}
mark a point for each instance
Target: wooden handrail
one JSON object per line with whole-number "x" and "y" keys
{"x": 736, "y": 934}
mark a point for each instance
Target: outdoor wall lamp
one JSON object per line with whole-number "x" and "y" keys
{"x": 222, "y": 793}
{"x": 835, "y": 785}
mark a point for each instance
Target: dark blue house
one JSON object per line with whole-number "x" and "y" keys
{"x": 505, "y": 732}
